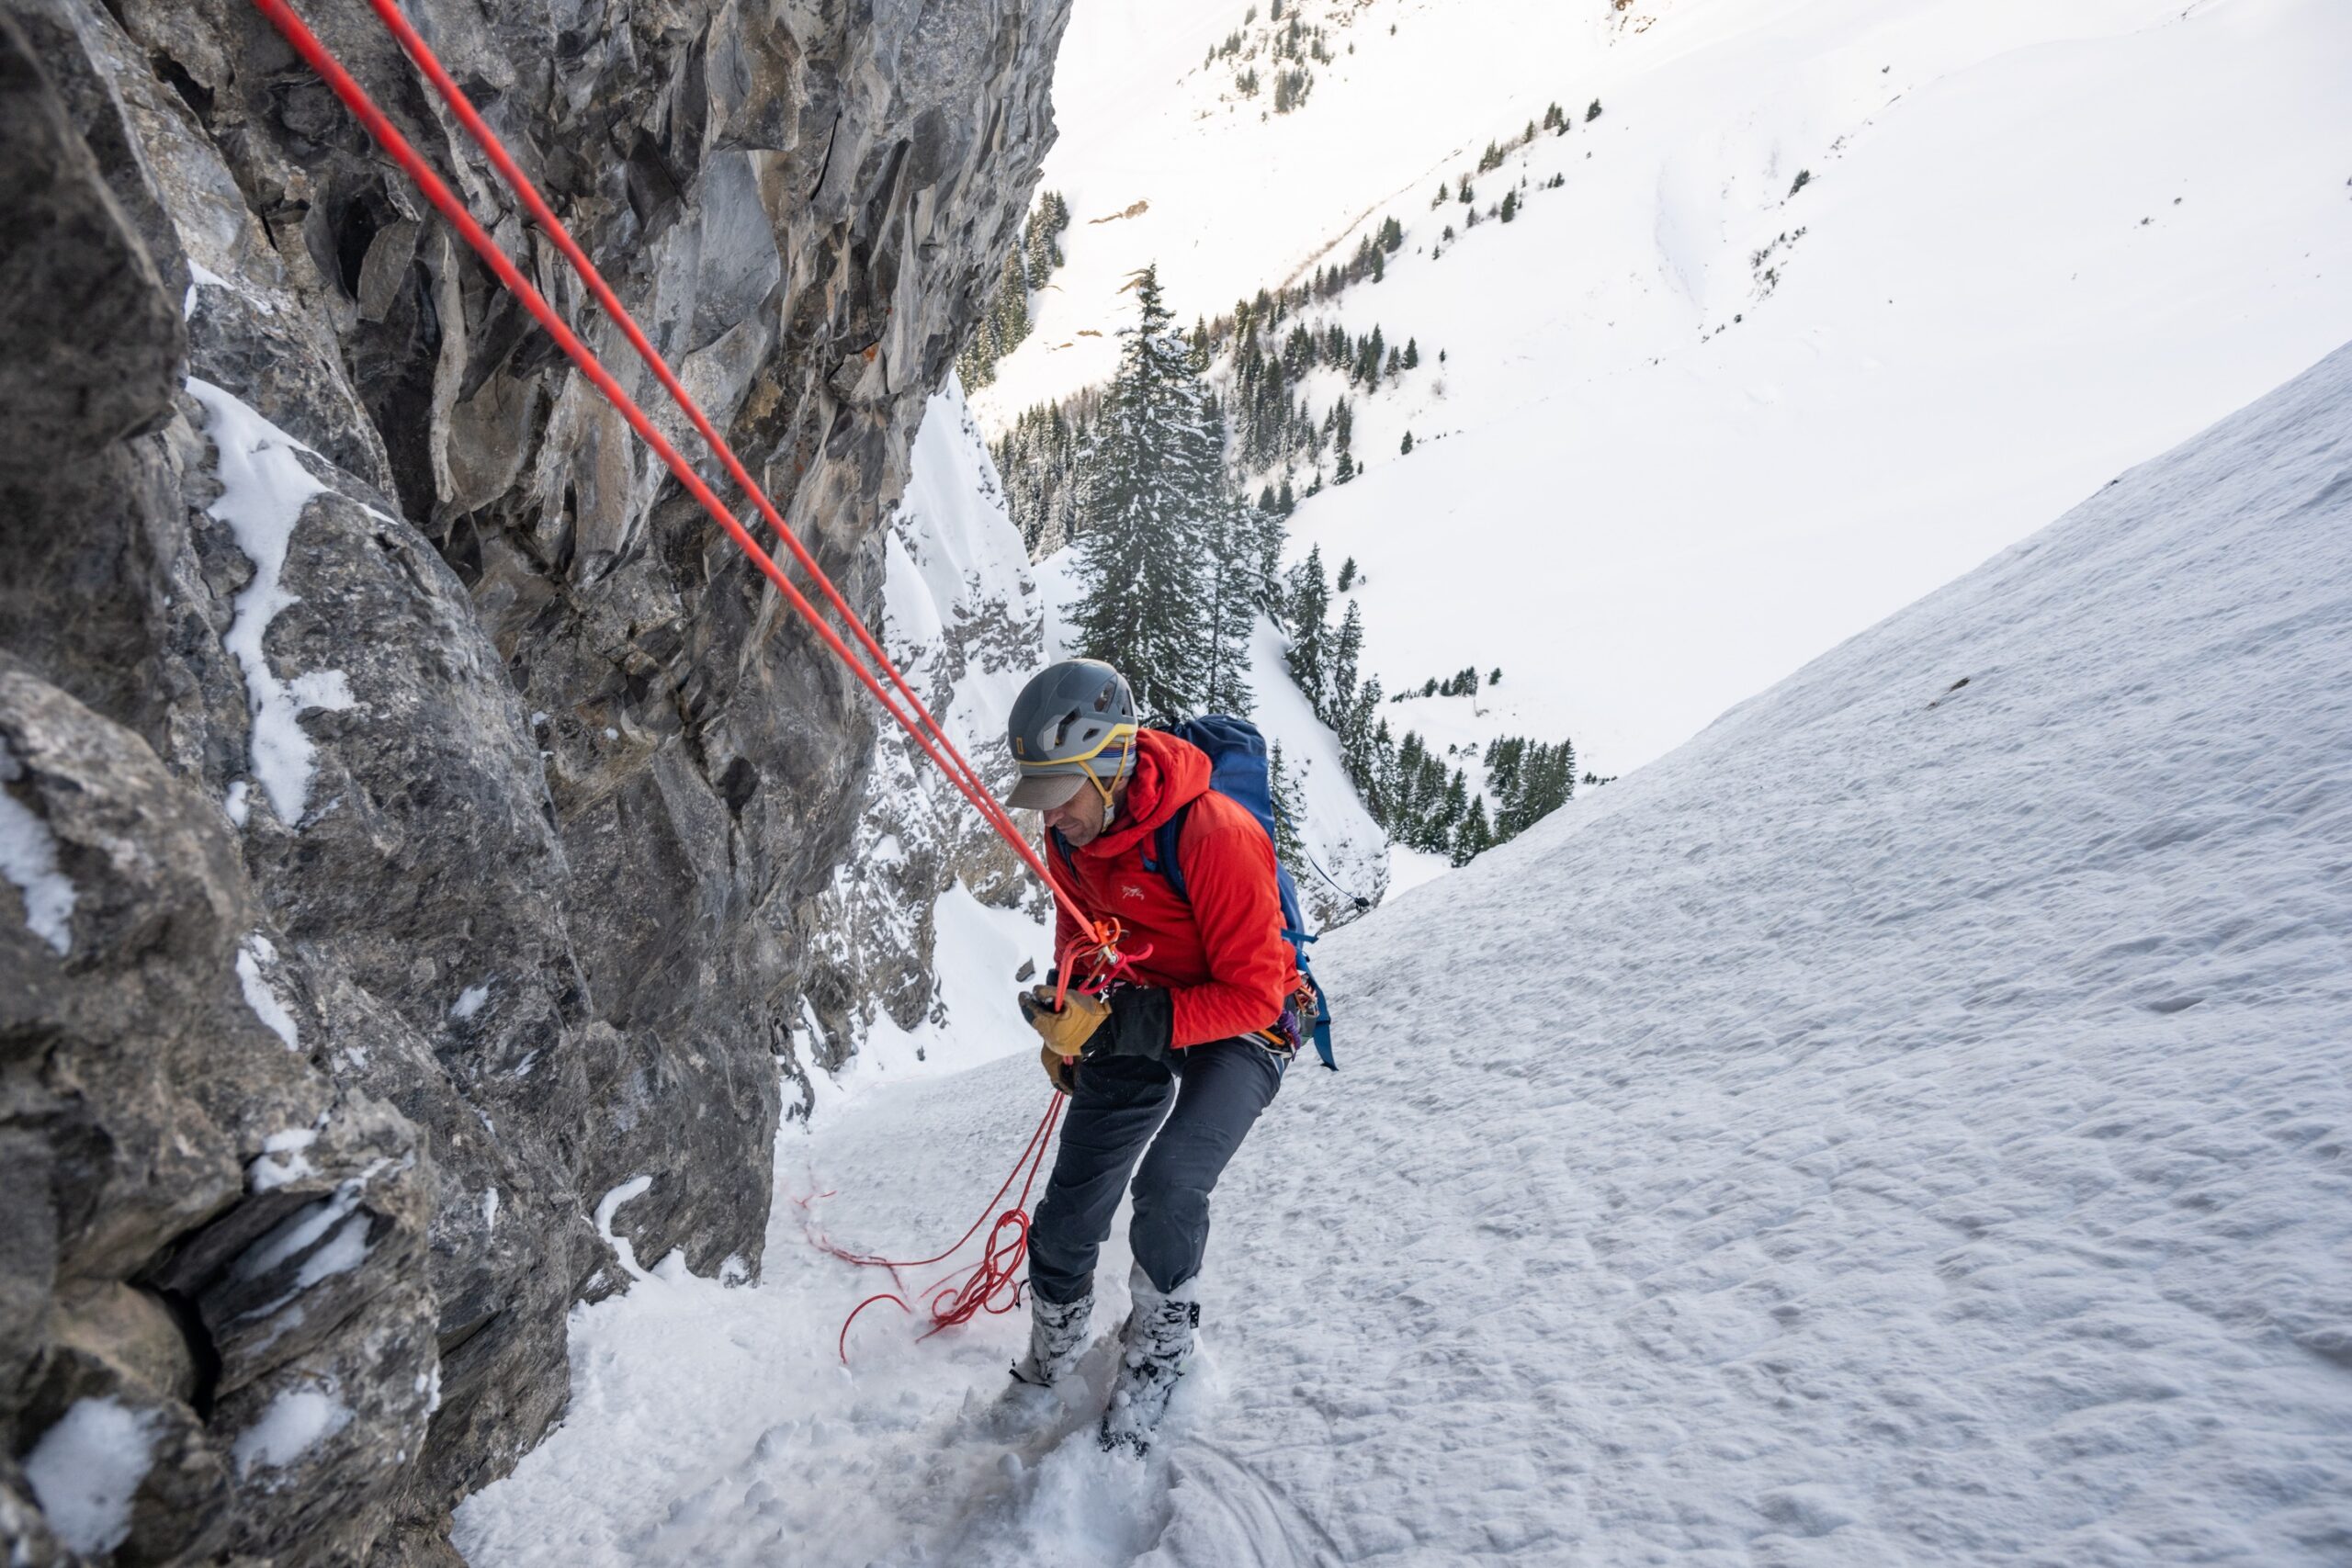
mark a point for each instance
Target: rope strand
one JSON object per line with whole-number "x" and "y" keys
{"x": 993, "y": 1285}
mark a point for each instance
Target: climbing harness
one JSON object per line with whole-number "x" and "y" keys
{"x": 984, "y": 1286}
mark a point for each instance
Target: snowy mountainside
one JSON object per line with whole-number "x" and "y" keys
{"x": 930, "y": 915}
{"x": 1905, "y": 1124}
{"x": 1695, "y": 422}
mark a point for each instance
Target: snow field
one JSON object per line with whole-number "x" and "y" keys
{"x": 1642, "y": 509}
{"x": 1906, "y": 1124}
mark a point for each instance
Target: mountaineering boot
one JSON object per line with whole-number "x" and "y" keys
{"x": 1153, "y": 1353}
{"x": 1057, "y": 1339}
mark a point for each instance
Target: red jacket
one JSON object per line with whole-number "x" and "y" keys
{"x": 1222, "y": 957}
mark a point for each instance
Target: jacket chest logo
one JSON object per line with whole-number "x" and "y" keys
{"x": 1129, "y": 890}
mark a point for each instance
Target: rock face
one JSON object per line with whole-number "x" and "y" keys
{"x": 416, "y": 816}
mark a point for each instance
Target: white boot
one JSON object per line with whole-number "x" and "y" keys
{"x": 1057, "y": 1339}
{"x": 1154, "y": 1351}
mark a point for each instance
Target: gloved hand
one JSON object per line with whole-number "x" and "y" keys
{"x": 1138, "y": 1021}
{"x": 1060, "y": 1071}
{"x": 1065, "y": 1032}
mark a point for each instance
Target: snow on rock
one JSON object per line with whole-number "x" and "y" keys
{"x": 470, "y": 1001}
{"x": 635, "y": 1187}
{"x": 1905, "y": 1124}
{"x": 29, "y": 859}
{"x": 257, "y": 951}
{"x": 265, "y": 487}
{"x": 294, "y": 1423}
{"x": 86, "y": 1469}
{"x": 283, "y": 1158}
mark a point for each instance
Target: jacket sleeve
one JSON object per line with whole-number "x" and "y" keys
{"x": 1229, "y": 878}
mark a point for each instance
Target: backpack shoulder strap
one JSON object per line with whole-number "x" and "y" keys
{"x": 1163, "y": 858}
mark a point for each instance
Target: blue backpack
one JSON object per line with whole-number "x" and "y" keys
{"x": 1238, "y": 771}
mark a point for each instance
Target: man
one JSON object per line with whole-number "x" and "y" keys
{"x": 1192, "y": 1032}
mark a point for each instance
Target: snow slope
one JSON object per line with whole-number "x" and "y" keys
{"x": 2038, "y": 244}
{"x": 1907, "y": 1124}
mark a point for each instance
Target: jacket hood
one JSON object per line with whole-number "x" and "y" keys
{"x": 1168, "y": 774}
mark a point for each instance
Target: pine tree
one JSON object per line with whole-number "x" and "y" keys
{"x": 1310, "y": 603}
{"x": 1474, "y": 838}
{"x": 1347, "y": 648}
{"x": 1593, "y": 113}
{"x": 1510, "y": 205}
{"x": 1451, "y": 810}
{"x": 1347, "y": 578}
{"x": 1405, "y": 447}
{"x": 1011, "y": 305}
{"x": 1287, "y": 814}
{"x": 1233, "y": 608}
{"x": 1154, "y": 499}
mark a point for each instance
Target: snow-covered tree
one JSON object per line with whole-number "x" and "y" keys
{"x": 1156, "y": 514}
{"x": 1309, "y": 603}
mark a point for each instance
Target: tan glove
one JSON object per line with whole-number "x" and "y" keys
{"x": 1060, "y": 1071}
{"x": 1065, "y": 1032}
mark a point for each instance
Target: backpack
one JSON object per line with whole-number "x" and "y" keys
{"x": 1238, "y": 771}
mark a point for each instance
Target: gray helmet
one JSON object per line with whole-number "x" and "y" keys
{"x": 1073, "y": 721}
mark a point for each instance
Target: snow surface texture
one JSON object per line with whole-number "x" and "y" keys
{"x": 1906, "y": 1124}
{"x": 264, "y": 488}
{"x": 2038, "y": 242}
{"x": 86, "y": 1469}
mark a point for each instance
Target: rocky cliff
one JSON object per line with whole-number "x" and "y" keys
{"x": 415, "y": 813}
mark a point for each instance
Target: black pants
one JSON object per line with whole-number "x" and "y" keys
{"x": 1218, "y": 1090}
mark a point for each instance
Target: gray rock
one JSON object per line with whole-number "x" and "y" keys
{"x": 447, "y": 852}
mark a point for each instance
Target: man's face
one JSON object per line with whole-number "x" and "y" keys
{"x": 1078, "y": 819}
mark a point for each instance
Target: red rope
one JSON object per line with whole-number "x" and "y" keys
{"x": 418, "y": 50}
{"x": 993, "y": 1285}
{"x": 926, "y": 732}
